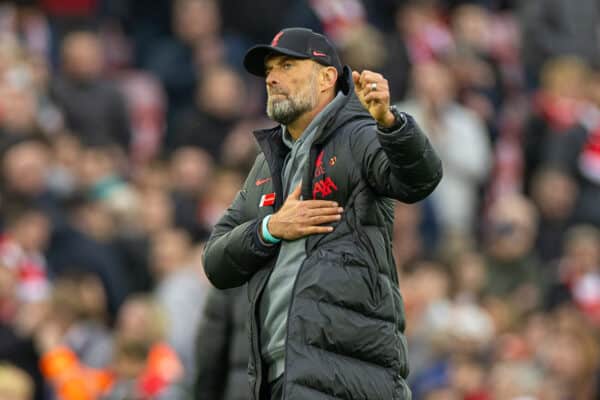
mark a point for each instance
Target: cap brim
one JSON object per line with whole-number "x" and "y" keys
{"x": 254, "y": 60}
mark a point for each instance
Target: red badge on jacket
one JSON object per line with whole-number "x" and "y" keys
{"x": 267, "y": 200}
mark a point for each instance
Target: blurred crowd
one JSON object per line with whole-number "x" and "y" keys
{"x": 125, "y": 132}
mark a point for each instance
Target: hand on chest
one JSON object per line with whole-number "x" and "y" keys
{"x": 329, "y": 180}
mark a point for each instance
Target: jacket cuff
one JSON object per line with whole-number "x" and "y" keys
{"x": 399, "y": 124}
{"x": 258, "y": 240}
{"x": 406, "y": 142}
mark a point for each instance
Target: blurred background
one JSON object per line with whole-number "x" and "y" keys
{"x": 125, "y": 132}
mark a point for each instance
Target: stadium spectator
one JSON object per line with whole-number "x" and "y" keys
{"x": 558, "y": 106}
{"x": 479, "y": 79}
{"x": 180, "y": 292}
{"x": 513, "y": 267}
{"x": 15, "y": 384}
{"x": 554, "y": 193}
{"x": 93, "y": 107}
{"x": 24, "y": 164}
{"x": 174, "y": 58}
{"x": 449, "y": 126}
{"x": 141, "y": 365}
{"x": 218, "y": 105}
{"x": 78, "y": 319}
{"x": 191, "y": 172}
{"x": 553, "y": 28}
{"x": 222, "y": 348}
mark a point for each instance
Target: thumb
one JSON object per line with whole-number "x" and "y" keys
{"x": 295, "y": 195}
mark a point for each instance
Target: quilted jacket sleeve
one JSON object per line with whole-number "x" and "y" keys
{"x": 234, "y": 251}
{"x": 401, "y": 164}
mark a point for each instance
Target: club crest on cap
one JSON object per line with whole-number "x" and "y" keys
{"x": 276, "y": 39}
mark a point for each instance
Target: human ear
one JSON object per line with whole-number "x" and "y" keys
{"x": 328, "y": 78}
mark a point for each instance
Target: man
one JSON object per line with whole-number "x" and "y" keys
{"x": 94, "y": 109}
{"x": 311, "y": 229}
{"x": 223, "y": 348}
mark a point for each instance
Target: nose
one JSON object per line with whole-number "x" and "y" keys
{"x": 271, "y": 78}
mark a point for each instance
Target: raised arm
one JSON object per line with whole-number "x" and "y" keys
{"x": 396, "y": 157}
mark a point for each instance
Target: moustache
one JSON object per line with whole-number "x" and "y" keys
{"x": 277, "y": 92}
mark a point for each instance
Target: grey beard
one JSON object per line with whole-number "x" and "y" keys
{"x": 286, "y": 111}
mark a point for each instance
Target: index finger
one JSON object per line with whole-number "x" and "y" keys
{"x": 320, "y": 203}
{"x": 355, "y": 76}
{"x": 369, "y": 77}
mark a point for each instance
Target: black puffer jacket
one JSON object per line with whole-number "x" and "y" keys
{"x": 223, "y": 347}
{"x": 346, "y": 319}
